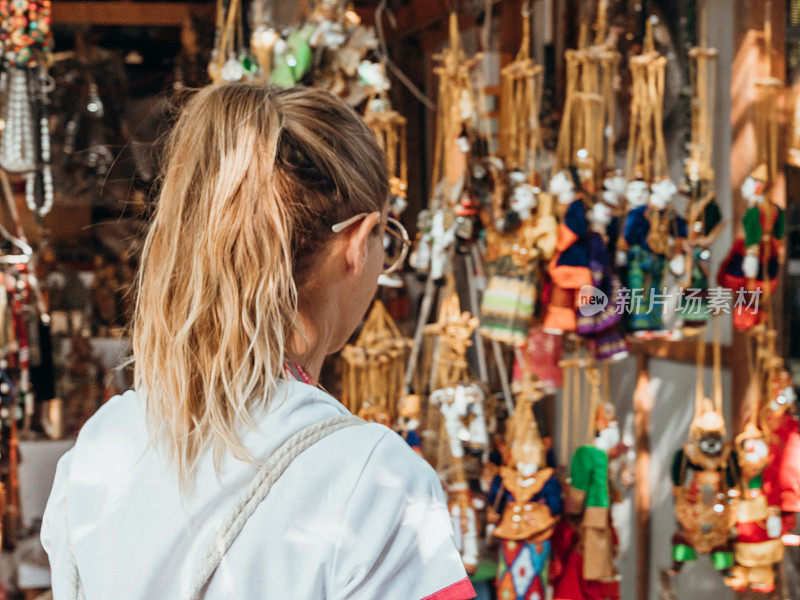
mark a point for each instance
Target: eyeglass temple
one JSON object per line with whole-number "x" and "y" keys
{"x": 342, "y": 225}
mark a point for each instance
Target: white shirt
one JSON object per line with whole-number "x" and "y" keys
{"x": 358, "y": 516}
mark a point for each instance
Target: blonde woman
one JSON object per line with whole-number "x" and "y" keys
{"x": 227, "y": 474}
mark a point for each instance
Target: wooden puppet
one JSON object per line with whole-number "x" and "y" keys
{"x": 753, "y": 262}
{"x": 600, "y": 325}
{"x": 781, "y": 476}
{"x": 583, "y": 566}
{"x": 702, "y": 473}
{"x": 569, "y": 268}
{"x": 517, "y": 245}
{"x": 373, "y": 368}
{"x": 653, "y": 233}
{"x": 525, "y": 499}
{"x": 703, "y": 213}
{"x": 757, "y": 544}
{"x": 465, "y": 523}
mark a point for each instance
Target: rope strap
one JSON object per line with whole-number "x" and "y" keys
{"x": 245, "y": 506}
{"x": 256, "y": 492}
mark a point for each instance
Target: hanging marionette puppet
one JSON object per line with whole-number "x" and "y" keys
{"x": 524, "y": 236}
{"x": 753, "y": 262}
{"x": 516, "y": 247}
{"x": 702, "y": 474}
{"x": 525, "y": 502}
{"x": 373, "y": 368}
{"x": 781, "y": 477}
{"x": 654, "y": 234}
{"x": 599, "y": 324}
{"x": 583, "y": 564}
{"x": 704, "y": 219}
{"x": 463, "y": 426}
{"x": 757, "y": 544}
{"x": 569, "y": 267}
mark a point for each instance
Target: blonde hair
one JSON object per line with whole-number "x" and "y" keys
{"x": 254, "y": 179}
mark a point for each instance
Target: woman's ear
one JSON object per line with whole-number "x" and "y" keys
{"x": 358, "y": 239}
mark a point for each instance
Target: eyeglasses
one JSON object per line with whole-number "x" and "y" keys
{"x": 395, "y": 242}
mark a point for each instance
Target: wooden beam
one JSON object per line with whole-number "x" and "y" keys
{"x": 642, "y": 406}
{"x": 125, "y": 12}
{"x": 684, "y": 351}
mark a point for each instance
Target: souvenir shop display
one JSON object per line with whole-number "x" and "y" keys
{"x": 551, "y": 240}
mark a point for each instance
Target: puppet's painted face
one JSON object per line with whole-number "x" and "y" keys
{"x": 637, "y": 193}
{"x": 616, "y": 184}
{"x": 562, "y": 186}
{"x": 662, "y": 193}
{"x": 784, "y": 399}
{"x": 523, "y": 200}
{"x": 608, "y": 437}
{"x": 754, "y": 450}
{"x": 753, "y": 190}
{"x": 528, "y": 456}
{"x": 600, "y": 214}
{"x": 711, "y": 444}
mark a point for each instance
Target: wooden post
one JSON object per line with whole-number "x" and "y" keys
{"x": 642, "y": 405}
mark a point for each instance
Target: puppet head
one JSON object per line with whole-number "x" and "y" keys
{"x": 708, "y": 430}
{"x": 662, "y": 193}
{"x": 523, "y": 200}
{"x": 562, "y": 187}
{"x": 637, "y": 192}
{"x": 607, "y": 434}
{"x": 781, "y": 398}
{"x": 756, "y": 185}
{"x": 752, "y": 451}
{"x": 600, "y": 215}
{"x": 614, "y": 189}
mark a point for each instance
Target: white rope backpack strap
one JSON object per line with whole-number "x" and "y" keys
{"x": 75, "y": 585}
{"x": 256, "y": 492}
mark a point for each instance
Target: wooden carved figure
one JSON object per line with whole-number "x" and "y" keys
{"x": 525, "y": 502}
{"x": 584, "y": 555}
{"x": 373, "y": 368}
{"x": 757, "y": 545}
